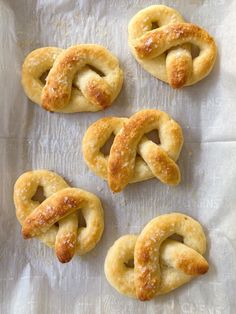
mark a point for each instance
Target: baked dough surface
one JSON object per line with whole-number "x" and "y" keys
{"x": 165, "y": 52}
{"x": 55, "y": 221}
{"x": 81, "y": 78}
{"x": 122, "y": 166}
{"x": 160, "y": 264}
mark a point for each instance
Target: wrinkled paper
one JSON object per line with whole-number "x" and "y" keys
{"x": 32, "y": 280}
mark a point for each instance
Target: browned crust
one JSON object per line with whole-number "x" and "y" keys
{"x": 57, "y": 91}
{"x": 166, "y": 169}
{"x": 54, "y": 209}
{"x": 178, "y": 262}
{"x": 191, "y": 264}
{"x": 175, "y": 36}
{"x": 60, "y": 206}
{"x": 64, "y": 67}
{"x": 123, "y": 152}
{"x": 51, "y": 211}
{"x": 179, "y": 71}
{"x": 147, "y": 251}
{"x": 65, "y": 248}
{"x": 99, "y": 93}
{"x": 170, "y": 35}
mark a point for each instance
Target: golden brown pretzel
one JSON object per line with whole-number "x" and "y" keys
{"x": 165, "y": 51}
{"x": 121, "y": 166}
{"x": 72, "y": 84}
{"x": 60, "y": 206}
{"x": 160, "y": 264}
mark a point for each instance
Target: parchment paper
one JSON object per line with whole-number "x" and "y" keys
{"x": 31, "y": 279}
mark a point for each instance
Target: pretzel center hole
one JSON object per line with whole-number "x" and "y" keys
{"x": 76, "y": 85}
{"x": 81, "y": 220}
{"x": 155, "y": 25}
{"x": 130, "y": 263}
{"x": 154, "y": 137}
{"x": 39, "y": 195}
{"x": 177, "y": 237}
{"x": 43, "y": 77}
{"x": 107, "y": 146}
{"x": 195, "y": 51}
{"x": 99, "y": 72}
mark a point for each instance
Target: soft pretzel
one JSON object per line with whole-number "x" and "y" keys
{"x": 165, "y": 51}
{"x": 60, "y": 207}
{"x": 81, "y": 78}
{"x": 160, "y": 264}
{"x": 122, "y": 166}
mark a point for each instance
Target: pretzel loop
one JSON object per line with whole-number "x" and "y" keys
{"x": 160, "y": 264}
{"x": 122, "y": 166}
{"x": 60, "y": 206}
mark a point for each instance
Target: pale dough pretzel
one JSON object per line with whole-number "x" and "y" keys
{"x": 160, "y": 264}
{"x": 165, "y": 51}
{"x": 72, "y": 85}
{"x": 122, "y": 166}
{"x": 60, "y": 206}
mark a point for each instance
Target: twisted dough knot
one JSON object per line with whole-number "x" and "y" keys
{"x": 160, "y": 264}
{"x": 60, "y": 207}
{"x": 81, "y": 78}
{"x": 123, "y": 166}
{"x": 165, "y": 51}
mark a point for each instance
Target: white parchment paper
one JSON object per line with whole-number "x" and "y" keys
{"x": 31, "y": 279}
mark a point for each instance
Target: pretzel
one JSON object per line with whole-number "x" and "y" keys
{"x": 72, "y": 84}
{"x": 122, "y": 166}
{"x": 165, "y": 51}
{"x": 160, "y": 264}
{"x": 60, "y": 207}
